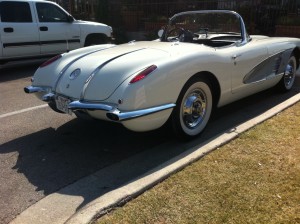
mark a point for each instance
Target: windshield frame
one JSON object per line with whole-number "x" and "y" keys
{"x": 245, "y": 38}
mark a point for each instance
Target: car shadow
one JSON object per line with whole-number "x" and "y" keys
{"x": 52, "y": 159}
{"x": 11, "y": 70}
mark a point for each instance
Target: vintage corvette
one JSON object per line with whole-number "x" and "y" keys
{"x": 202, "y": 60}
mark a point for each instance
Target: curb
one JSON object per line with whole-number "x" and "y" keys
{"x": 120, "y": 196}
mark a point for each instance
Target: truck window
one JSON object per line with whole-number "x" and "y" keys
{"x": 50, "y": 13}
{"x": 15, "y": 12}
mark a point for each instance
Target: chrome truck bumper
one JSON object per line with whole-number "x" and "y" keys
{"x": 112, "y": 112}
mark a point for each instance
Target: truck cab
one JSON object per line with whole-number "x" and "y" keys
{"x": 36, "y": 28}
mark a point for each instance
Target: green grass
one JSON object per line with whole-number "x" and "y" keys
{"x": 253, "y": 179}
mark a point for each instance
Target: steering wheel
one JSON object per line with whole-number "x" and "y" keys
{"x": 182, "y": 35}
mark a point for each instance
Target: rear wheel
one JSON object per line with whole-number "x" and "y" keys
{"x": 288, "y": 79}
{"x": 193, "y": 108}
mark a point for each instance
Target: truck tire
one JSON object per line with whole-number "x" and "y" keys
{"x": 95, "y": 39}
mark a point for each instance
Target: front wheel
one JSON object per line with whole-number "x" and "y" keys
{"x": 95, "y": 39}
{"x": 288, "y": 79}
{"x": 193, "y": 108}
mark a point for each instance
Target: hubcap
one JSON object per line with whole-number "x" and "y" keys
{"x": 194, "y": 109}
{"x": 289, "y": 75}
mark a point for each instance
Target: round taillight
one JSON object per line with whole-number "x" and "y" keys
{"x": 51, "y": 60}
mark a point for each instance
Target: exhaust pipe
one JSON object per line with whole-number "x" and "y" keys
{"x": 34, "y": 89}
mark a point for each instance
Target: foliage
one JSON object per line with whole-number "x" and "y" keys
{"x": 158, "y": 18}
{"x": 102, "y": 11}
{"x": 120, "y": 36}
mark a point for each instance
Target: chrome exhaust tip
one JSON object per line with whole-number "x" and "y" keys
{"x": 33, "y": 89}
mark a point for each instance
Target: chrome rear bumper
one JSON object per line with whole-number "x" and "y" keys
{"x": 111, "y": 110}
{"x": 114, "y": 113}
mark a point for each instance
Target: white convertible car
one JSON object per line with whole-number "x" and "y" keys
{"x": 203, "y": 59}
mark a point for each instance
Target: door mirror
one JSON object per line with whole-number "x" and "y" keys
{"x": 160, "y": 33}
{"x": 70, "y": 19}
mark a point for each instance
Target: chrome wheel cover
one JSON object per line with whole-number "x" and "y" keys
{"x": 290, "y": 73}
{"x": 194, "y": 108}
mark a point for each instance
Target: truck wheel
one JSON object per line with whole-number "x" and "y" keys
{"x": 95, "y": 39}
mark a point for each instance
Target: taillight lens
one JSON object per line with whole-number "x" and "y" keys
{"x": 51, "y": 60}
{"x": 141, "y": 75}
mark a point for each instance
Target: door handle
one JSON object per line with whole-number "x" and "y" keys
{"x": 43, "y": 28}
{"x": 8, "y": 29}
{"x": 235, "y": 56}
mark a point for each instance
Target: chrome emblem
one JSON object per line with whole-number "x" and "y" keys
{"x": 75, "y": 74}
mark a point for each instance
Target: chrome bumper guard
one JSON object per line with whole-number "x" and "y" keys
{"x": 116, "y": 115}
{"x": 48, "y": 97}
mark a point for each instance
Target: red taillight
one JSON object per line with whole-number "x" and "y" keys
{"x": 141, "y": 75}
{"x": 51, "y": 60}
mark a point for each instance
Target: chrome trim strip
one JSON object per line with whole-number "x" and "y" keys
{"x": 79, "y": 105}
{"x": 270, "y": 67}
{"x": 117, "y": 115}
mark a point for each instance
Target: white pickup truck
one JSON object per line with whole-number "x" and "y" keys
{"x": 36, "y": 28}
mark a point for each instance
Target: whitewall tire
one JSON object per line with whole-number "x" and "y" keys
{"x": 193, "y": 108}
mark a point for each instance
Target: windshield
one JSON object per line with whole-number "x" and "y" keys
{"x": 192, "y": 26}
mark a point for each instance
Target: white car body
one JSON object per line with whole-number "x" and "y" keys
{"x": 97, "y": 80}
{"x": 35, "y": 28}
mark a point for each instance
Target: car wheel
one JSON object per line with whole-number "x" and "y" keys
{"x": 288, "y": 79}
{"x": 94, "y": 39}
{"x": 193, "y": 109}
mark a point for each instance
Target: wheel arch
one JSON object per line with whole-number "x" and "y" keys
{"x": 296, "y": 52}
{"x": 180, "y": 125}
{"x": 95, "y": 38}
{"x": 213, "y": 83}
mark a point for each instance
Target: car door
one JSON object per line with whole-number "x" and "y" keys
{"x": 18, "y": 31}
{"x": 57, "y": 32}
{"x": 247, "y": 67}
